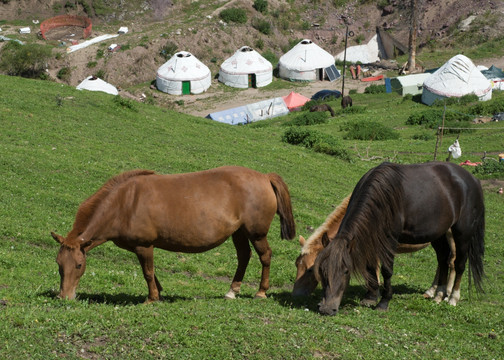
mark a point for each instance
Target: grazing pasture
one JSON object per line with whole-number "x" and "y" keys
{"x": 59, "y": 145}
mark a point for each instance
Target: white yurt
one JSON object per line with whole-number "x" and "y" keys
{"x": 456, "y": 78}
{"x": 92, "y": 83}
{"x": 246, "y": 68}
{"x": 183, "y": 74}
{"x": 306, "y": 61}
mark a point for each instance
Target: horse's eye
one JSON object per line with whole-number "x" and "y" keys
{"x": 310, "y": 270}
{"x": 78, "y": 266}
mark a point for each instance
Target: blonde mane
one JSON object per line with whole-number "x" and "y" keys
{"x": 314, "y": 242}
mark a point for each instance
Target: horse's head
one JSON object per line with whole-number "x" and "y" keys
{"x": 332, "y": 269}
{"x": 305, "y": 278}
{"x": 71, "y": 260}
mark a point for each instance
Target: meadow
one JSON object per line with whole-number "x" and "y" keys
{"x": 59, "y": 145}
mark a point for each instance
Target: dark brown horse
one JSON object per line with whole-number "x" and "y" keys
{"x": 194, "y": 212}
{"x": 408, "y": 204}
{"x": 322, "y": 107}
{"x": 346, "y": 101}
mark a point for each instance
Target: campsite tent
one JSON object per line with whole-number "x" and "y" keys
{"x": 93, "y": 83}
{"x": 234, "y": 116}
{"x": 246, "y": 68}
{"x": 409, "y": 84}
{"x": 365, "y": 54}
{"x": 456, "y": 78}
{"x": 295, "y": 100}
{"x": 183, "y": 74}
{"x": 305, "y": 61}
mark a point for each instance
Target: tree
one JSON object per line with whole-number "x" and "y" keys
{"x": 28, "y": 60}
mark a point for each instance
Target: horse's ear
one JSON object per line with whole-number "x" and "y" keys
{"x": 86, "y": 244}
{"x": 325, "y": 240}
{"x": 60, "y": 239}
{"x": 302, "y": 241}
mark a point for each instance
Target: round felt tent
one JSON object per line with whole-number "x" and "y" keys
{"x": 306, "y": 61}
{"x": 456, "y": 78}
{"x": 246, "y": 68}
{"x": 183, "y": 74}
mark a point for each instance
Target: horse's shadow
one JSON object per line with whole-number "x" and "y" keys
{"x": 352, "y": 297}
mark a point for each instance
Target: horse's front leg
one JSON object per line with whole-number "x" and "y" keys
{"x": 264, "y": 251}
{"x": 372, "y": 285}
{"x": 387, "y": 272}
{"x": 146, "y": 257}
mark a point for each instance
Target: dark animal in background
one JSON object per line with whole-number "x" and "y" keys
{"x": 346, "y": 101}
{"x": 322, "y": 107}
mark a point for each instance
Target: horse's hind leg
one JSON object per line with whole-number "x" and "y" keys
{"x": 451, "y": 262}
{"x": 243, "y": 253}
{"x": 442, "y": 253}
{"x": 264, "y": 251}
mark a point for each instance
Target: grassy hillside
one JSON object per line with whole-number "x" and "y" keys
{"x": 59, "y": 145}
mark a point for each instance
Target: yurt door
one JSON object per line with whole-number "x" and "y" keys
{"x": 320, "y": 74}
{"x": 252, "y": 82}
{"x": 186, "y": 87}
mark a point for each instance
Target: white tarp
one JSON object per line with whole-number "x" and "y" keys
{"x": 93, "y": 83}
{"x": 409, "y": 84}
{"x": 245, "y": 62}
{"x": 365, "y": 54}
{"x": 305, "y": 61}
{"x": 456, "y": 78}
{"x": 183, "y": 67}
{"x": 86, "y": 43}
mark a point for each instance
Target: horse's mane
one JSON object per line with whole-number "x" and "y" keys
{"x": 88, "y": 207}
{"x": 314, "y": 242}
{"x": 371, "y": 216}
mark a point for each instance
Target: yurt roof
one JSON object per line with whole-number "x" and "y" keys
{"x": 183, "y": 66}
{"x": 93, "y": 83}
{"x": 305, "y": 56}
{"x": 246, "y": 61}
{"x": 458, "y": 77}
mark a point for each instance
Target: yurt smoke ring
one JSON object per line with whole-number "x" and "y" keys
{"x": 67, "y": 20}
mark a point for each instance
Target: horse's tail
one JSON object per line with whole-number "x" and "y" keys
{"x": 330, "y": 110}
{"x": 284, "y": 206}
{"x": 477, "y": 251}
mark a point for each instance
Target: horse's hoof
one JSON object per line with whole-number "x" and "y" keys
{"x": 260, "y": 296}
{"x": 368, "y": 302}
{"x": 230, "y": 295}
{"x": 382, "y": 307}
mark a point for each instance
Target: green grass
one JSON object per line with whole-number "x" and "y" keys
{"x": 59, "y": 145}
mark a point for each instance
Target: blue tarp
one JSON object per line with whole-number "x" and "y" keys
{"x": 234, "y": 116}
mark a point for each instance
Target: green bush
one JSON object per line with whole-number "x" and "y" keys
{"x": 424, "y": 137}
{"x": 368, "y": 130}
{"x": 309, "y": 118}
{"x": 261, "y": 6}
{"x": 316, "y": 141}
{"x": 64, "y": 73}
{"x": 489, "y": 168}
{"x": 236, "y": 15}
{"x": 433, "y": 117}
{"x": 463, "y": 100}
{"x": 24, "y": 60}
{"x": 375, "y": 89}
{"x": 168, "y": 50}
{"x": 263, "y": 26}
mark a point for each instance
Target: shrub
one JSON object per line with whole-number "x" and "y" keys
{"x": 368, "y": 130}
{"x": 317, "y": 141}
{"x": 261, "y": 6}
{"x": 236, "y": 15}
{"x": 375, "y": 89}
{"x": 309, "y": 118}
{"x": 489, "y": 168}
{"x": 168, "y": 50}
{"x": 125, "y": 103}
{"x": 263, "y": 26}
{"x": 64, "y": 73}
{"x": 424, "y": 137}
{"x": 433, "y": 117}
{"x": 24, "y": 60}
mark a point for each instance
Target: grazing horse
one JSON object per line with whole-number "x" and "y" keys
{"x": 346, "y": 101}
{"x": 322, "y": 107}
{"x": 306, "y": 281}
{"x": 193, "y": 212}
{"x": 409, "y": 204}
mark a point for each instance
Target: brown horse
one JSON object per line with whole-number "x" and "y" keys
{"x": 322, "y": 107}
{"x": 193, "y": 212}
{"x": 306, "y": 281}
{"x": 346, "y": 101}
{"x": 409, "y": 204}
